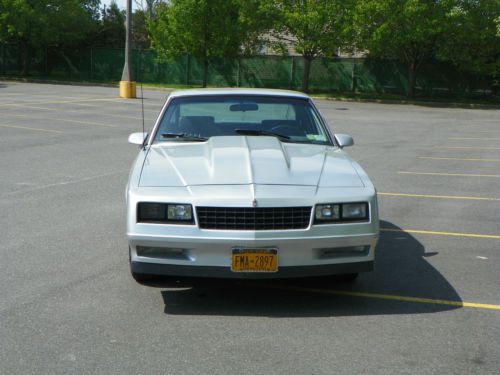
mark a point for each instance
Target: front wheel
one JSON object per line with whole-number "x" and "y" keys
{"x": 348, "y": 277}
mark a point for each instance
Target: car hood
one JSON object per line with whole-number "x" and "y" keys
{"x": 239, "y": 160}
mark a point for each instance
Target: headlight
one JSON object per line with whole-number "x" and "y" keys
{"x": 151, "y": 212}
{"x": 327, "y": 212}
{"x": 179, "y": 212}
{"x": 355, "y": 211}
{"x": 165, "y": 213}
{"x": 336, "y": 212}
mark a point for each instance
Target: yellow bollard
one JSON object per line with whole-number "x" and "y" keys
{"x": 127, "y": 89}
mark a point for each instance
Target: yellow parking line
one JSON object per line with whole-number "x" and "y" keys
{"x": 87, "y": 105}
{"x": 461, "y": 159}
{"x": 453, "y": 234}
{"x": 391, "y": 297}
{"x": 452, "y": 174}
{"x": 22, "y": 104}
{"x": 475, "y": 138}
{"x": 28, "y": 128}
{"x": 65, "y": 120}
{"x": 468, "y": 147}
{"x": 438, "y": 196}
{"x": 483, "y": 131}
{"x": 81, "y": 111}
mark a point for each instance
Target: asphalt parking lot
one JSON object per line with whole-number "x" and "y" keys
{"x": 69, "y": 305}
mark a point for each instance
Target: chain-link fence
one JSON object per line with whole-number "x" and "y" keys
{"x": 329, "y": 75}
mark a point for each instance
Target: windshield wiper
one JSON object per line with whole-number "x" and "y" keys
{"x": 184, "y": 137}
{"x": 260, "y": 132}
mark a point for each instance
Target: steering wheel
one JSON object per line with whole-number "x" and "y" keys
{"x": 286, "y": 130}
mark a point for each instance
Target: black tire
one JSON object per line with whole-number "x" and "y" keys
{"x": 348, "y": 277}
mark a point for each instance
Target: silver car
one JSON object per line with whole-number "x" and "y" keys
{"x": 235, "y": 183}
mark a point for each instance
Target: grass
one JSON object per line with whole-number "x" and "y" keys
{"x": 374, "y": 97}
{"x": 401, "y": 98}
{"x": 169, "y": 86}
{"x": 332, "y": 95}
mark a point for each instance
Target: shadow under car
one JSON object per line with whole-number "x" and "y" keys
{"x": 401, "y": 270}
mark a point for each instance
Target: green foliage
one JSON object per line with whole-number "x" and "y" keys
{"x": 313, "y": 27}
{"x": 140, "y": 37}
{"x": 36, "y": 23}
{"x": 205, "y": 29}
{"x": 150, "y": 7}
{"x": 50, "y": 22}
{"x": 413, "y": 32}
{"x": 472, "y": 41}
{"x": 255, "y": 19}
{"x": 406, "y": 30}
{"x": 197, "y": 27}
{"x": 111, "y": 29}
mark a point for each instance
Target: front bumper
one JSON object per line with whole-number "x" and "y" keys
{"x": 187, "y": 250}
{"x": 226, "y": 273}
{"x": 211, "y": 257}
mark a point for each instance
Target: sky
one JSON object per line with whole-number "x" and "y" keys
{"x": 121, "y": 3}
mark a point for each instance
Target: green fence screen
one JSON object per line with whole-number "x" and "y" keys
{"x": 330, "y": 75}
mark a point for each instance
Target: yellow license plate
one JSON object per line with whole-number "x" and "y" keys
{"x": 254, "y": 260}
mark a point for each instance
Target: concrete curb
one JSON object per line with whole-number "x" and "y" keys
{"x": 56, "y": 82}
{"x": 413, "y": 102}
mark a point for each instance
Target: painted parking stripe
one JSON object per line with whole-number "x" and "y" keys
{"x": 483, "y": 131}
{"x": 65, "y": 120}
{"x": 391, "y": 297}
{"x": 21, "y": 104}
{"x": 28, "y": 128}
{"x": 472, "y": 138}
{"x": 82, "y": 112}
{"x": 460, "y": 159}
{"x": 453, "y": 234}
{"x": 65, "y": 183}
{"x": 451, "y": 174}
{"x": 437, "y": 196}
{"x": 468, "y": 148}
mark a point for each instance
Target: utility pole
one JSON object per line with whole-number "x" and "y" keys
{"x": 127, "y": 84}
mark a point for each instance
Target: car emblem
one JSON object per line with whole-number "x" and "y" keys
{"x": 254, "y": 203}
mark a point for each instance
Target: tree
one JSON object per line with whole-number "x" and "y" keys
{"x": 149, "y": 8}
{"x": 205, "y": 29}
{"x": 407, "y": 30}
{"x": 256, "y": 18}
{"x": 140, "y": 37}
{"x": 471, "y": 41}
{"x": 111, "y": 30}
{"x": 36, "y": 23}
{"x": 313, "y": 27}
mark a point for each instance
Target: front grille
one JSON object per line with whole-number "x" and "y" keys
{"x": 250, "y": 218}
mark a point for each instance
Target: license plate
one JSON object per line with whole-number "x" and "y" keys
{"x": 254, "y": 260}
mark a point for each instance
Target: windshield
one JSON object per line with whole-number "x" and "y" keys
{"x": 198, "y": 118}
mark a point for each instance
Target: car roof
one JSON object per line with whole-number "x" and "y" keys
{"x": 238, "y": 91}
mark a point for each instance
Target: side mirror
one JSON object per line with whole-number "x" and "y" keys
{"x": 137, "y": 138}
{"x": 344, "y": 140}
